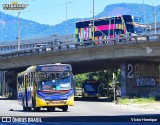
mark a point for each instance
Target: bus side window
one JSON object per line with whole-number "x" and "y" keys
{"x": 19, "y": 82}
{"x": 118, "y": 20}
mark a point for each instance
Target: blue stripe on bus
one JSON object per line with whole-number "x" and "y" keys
{"x": 55, "y": 96}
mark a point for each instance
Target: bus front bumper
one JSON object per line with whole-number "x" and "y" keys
{"x": 42, "y": 103}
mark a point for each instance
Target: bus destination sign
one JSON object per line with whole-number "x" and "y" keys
{"x": 54, "y": 68}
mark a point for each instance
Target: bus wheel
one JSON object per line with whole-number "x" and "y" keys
{"x": 65, "y": 108}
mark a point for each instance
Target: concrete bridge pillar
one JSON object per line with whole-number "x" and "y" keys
{"x": 140, "y": 80}
{"x": 123, "y": 80}
{"x": 11, "y": 83}
{"x": 1, "y": 82}
{"x": 8, "y": 83}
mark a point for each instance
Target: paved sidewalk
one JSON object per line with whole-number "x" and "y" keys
{"x": 146, "y": 106}
{"x": 1, "y": 97}
{"x": 7, "y": 98}
{"x": 4, "y": 98}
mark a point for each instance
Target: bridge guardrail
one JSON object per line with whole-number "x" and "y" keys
{"x": 69, "y": 45}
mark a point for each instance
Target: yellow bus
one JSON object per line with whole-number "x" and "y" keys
{"x": 90, "y": 89}
{"x": 46, "y": 86}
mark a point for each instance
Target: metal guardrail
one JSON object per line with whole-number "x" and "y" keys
{"x": 70, "y": 45}
{"x": 31, "y": 43}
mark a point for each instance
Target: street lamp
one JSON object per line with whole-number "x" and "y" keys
{"x": 93, "y": 19}
{"x": 92, "y": 25}
{"x": 143, "y": 12}
{"x": 19, "y": 32}
{"x": 67, "y": 19}
{"x": 2, "y": 22}
{"x": 155, "y": 14}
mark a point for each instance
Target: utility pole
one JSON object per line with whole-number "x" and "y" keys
{"x": 114, "y": 85}
{"x": 66, "y": 22}
{"x": 155, "y": 14}
{"x": 155, "y": 23}
{"x": 2, "y": 28}
{"x": 93, "y": 19}
{"x": 143, "y": 12}
{"x": 67, "y": 18}
{"x": 18, "y": 33}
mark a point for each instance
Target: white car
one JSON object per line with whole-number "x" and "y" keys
{"x": 40, "y": 46}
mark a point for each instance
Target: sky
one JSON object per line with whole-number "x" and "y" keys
{"x": 53, "y": 12}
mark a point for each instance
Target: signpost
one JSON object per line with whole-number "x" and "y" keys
{"x": 114, "y": 86}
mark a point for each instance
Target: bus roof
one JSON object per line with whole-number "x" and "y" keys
{"x": 98, "y": 18}
{"x": 29, "y": 69}
{"x": 107, "y": 17}
{"x": 47, "y": 68}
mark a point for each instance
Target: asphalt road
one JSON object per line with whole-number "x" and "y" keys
{"x": 86, "y": 111}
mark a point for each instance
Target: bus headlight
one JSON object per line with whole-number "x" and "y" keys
{"x": 85, "y": 94}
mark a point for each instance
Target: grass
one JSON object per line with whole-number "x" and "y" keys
{"x": 137, "y": 100}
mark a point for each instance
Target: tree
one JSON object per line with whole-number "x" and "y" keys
{"x": 103, "y": 77}
{"x": 80, "y": 78}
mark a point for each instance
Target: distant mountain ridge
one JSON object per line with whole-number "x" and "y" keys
{"x": 31, "y": 29}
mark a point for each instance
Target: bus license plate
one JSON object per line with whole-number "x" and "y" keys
{"x": 56, "y": 102}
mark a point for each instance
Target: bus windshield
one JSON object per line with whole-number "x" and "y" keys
{"x": 91, "y": 87}
{"x": 134, "y": 24}
{"x": 56, "y": 81}
{"x": 138, "y": 20}
{"x": 138, "y": 25}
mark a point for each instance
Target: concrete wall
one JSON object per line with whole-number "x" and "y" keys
{"x": 1, "y": 81}
{"x": 140, "y": 80}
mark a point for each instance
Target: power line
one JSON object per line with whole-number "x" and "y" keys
{"x": 44, "y": 8}
{"x": 49, "y": 6}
